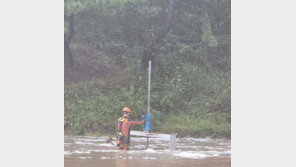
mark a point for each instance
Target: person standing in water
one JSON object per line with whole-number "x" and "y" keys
{"x": 123, "y": 125}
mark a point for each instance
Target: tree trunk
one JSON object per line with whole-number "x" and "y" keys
{"x": 167, "y": 24}
{"x": 67, "y": 54}
{"x": 150, "y": 43}
{"x": 67, "y": 40}
{"x": 147, "y": 55}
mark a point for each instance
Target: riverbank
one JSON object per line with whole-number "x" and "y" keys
{"x": 195, "y": 105}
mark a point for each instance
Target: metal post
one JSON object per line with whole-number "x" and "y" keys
{"x": 168, "y": 137}
{"x": 149, "y": 83}
{"x": 148, "y": 116}
{"x": 147, "y": 142}
{"x": 172, "y": 142}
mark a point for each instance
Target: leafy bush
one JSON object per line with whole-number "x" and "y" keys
{"x": 190, "y": 102}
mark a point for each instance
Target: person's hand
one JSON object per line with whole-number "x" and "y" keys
{"x": 143, "y": 117}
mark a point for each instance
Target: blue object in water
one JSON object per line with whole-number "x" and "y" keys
{"x": 147, "y": 125}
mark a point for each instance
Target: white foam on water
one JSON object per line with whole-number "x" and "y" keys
{"x": 85, "y": 157}
{"x": 149, "y": 150}
{"x": 144, "y": 139}
{"x": 223, "y": 144}
{"x": 164, "y": 151}
{"x": 186, "y": 146}
{"x": 106, "y": 151}
{"x": 226, "y": 152}
{"x": 82, "y": 152}
{"x": 84, "y": 143}
{"x": 216, "y": 153}
{"x": 189, "y": 154}
{"x": 92, "y": 139}
{"x": 165, "y": 145}
{"x": 106, "y": 158}
{"x": 106, "y": 145}
{"x": 156, "y": 145}
{"x": 138, "y": 139}
{"x": 210, "y": 148}
{"x": 140, "y": 146}
{"x": 126, "y": 157}
{"x": 221, "y": 152}
{"x": 198, "y": 139}
{"x": 152, "y": 158}
{"x": 152, "y": 146}
{"x": 160, "y": 139}
{"x": 67, "y": 153}
{"x": 134, "y": 151}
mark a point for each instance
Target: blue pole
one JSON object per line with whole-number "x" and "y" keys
{"x": 147, "y": 125}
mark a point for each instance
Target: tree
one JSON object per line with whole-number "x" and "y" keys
{"x": 150, "y": 42}
{"x": 69, "y": 61}
{"x": 71, "y": 8}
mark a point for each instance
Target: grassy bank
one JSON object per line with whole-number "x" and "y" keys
{"x": 189, "y": 105}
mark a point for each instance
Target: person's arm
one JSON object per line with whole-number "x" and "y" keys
{"x": 136, "y": 122}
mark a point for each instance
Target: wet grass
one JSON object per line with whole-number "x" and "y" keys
{"x": 92, "y": 107}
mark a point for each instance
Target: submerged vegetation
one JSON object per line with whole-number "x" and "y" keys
{"x": 107, "y": 45}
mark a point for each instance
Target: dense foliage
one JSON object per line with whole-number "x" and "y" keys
{"x": 105, "y": 68}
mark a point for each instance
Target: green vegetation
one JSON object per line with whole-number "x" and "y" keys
{"x": 105, "y": 65}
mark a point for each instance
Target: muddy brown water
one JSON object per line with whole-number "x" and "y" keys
{"x": 95, "y": 152}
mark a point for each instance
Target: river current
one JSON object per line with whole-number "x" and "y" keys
{"x": 96, "y": 152}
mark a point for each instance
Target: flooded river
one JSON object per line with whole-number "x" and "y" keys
{"x": 95, "y": 152}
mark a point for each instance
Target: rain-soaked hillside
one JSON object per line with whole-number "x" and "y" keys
{"x": 107, "y": 48}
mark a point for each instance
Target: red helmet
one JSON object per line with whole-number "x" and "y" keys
{"x": 125, "y": 109}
